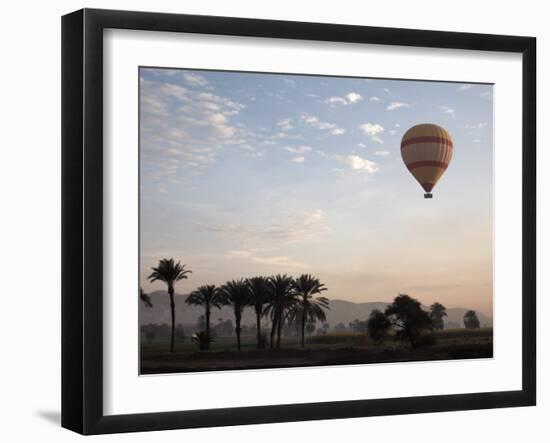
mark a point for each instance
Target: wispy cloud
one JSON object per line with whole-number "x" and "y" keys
{"x": 447, "y": 110}
{"x": 377, "y": 139}
{"x": 314, "y": 121}
{"x": 298, "y": 149}
{"x": 382, "y": 153}
{"x": 178, "y": 125}
{"x": 285, "y": 124}
{"x": 278, "y": 261}
{"x": 396, "y": 105}
{"x": 374, "y": 98}
{"x": 299, "y": 159}
{"x": 475, "y": 125}
{"x": 464, "y": 87}
{"x": 302, "y": 227}
{"x": 194, "y": 79}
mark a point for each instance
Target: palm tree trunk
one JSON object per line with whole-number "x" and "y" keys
{"x": 173, "y": 315}
{"x": 258, "y": 327}
{"x": 279, "y": 327}
{"x": 273, "y": 328}
{"x": 207, "y": 319}
{"x": 238, "y": 329}
{"x": 303, "y": 327}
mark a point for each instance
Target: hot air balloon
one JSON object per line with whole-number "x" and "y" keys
{"x": 427, "y": 150}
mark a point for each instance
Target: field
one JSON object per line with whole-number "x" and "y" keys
{"x": 331, "y": 349}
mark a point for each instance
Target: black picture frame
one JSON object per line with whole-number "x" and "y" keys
{"x": 82, "y": 219}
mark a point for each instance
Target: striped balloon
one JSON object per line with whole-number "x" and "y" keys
{"x": 427, "y": 151}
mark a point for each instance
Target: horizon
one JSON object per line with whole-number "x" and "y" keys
{"x": 261, "y": 174}
{"x": 358, "y": 302}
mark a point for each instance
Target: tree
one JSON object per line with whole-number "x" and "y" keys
{"x": 180, "y": 333}
{"x": 323, "y": 329}
{"x": 170, "y": 273}
{"x": 340, "y": 327}
{"x": 207, "y": 296}
{"x": 378, "y": 326}
{"x": 437, "y": 312}
{"x": 224, "y": 328}
{"x": 145, "y": 298}
{"x": 281, "y": 298}
{"x": 358, "y": 326}
{"x": 237, "y": 294}
{"x": 408, "y": 317}
{"x": 307, "y": 308}
{"x": 259, "y": 293}
{"x": 471, "y": 321}
{"x": 310, "y": 327}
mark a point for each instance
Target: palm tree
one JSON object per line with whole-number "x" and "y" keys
{"x": 259, "y": 292}
{"x": 170, "y": 272}
{"x": 145, "y": 298}
{"x": 307, "y": 308}
{"x": 280, "y": 299}
{"x": 207, "y": 296}
{"x": 236, "y": 293}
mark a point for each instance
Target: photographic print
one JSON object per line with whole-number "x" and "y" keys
{"x": 305, "y": 220}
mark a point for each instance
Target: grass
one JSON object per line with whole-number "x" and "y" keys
{"x": 332, "y": 349}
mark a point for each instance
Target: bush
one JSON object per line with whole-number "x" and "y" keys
{"x": 202, "y": 340}
{"x": 426, "y": 340}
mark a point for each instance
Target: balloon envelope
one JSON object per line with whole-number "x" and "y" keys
{"x": 427, "y": 150}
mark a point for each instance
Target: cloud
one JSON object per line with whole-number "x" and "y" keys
{"x": 299, "y": 159}
{"x": 447, "y": 110}
{"x": 348, "y": 99}
{"x": 285, "y": 124}
{"x": 362, "y": 145}
{"x": 304, "y": 226}
{"x": 179, "y": 124}
{"x": 282, "y": 261}
{"x": 464, "y": 87}
{"x": 353, "y": 97}
{"x": 475, "y": 126}
{"x": 377, "y": 139}
{"x": 358, "y": 163}
{"x": 486, "y": 94}
{"x": 298, "y": 149}
{"x": 289, "y": 81}
{"x": 374, "y": 98}
{"x": 393, "y": 132}
{"x": 314, "y": 121}
{"x": 382, "y": 153}
{"x": 336, "y": 101}
{"x": 194, "y": 79}
{"x": 396, "y": 105}
{"x": 372, "y": 128}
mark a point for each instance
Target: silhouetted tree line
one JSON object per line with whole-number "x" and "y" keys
{"x": 284, "y": 301}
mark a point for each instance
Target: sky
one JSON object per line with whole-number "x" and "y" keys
{"x": 245, "y": 174}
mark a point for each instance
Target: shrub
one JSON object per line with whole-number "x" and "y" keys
{"x": 202, "y": 340}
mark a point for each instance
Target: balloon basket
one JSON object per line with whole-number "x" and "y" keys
{"x": 428, "y": 195}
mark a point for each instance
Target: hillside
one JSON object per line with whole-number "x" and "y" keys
{"x": 341, "y": 311}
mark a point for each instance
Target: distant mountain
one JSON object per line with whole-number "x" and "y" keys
{"x": 341, "y": 311}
